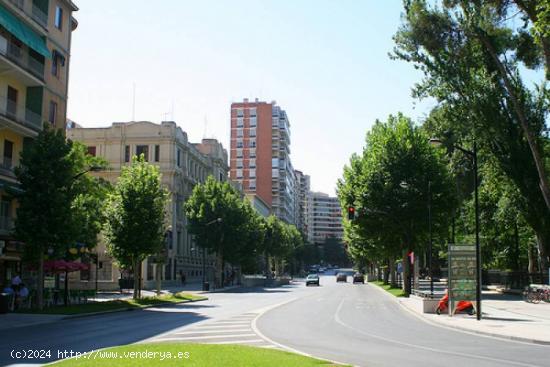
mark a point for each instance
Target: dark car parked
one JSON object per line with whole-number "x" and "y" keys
{"x": 341, "y": 277}
{"x": 358, "y": 278}
{"x": 312, "y": 279}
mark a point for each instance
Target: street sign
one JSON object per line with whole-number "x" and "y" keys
{"x": 462, "y": 273}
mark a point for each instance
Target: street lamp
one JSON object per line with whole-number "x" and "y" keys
{"x": 204, "y": 284}
{"x": 473, "y": 155}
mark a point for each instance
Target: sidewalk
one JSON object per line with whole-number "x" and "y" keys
{"x": 504, "y": 315}
{"x": 15, "y": 320}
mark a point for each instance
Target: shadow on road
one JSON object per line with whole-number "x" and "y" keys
{"x": 94, "y": 332}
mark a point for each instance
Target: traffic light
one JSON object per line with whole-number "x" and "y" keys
{"x": 351, "y": 213}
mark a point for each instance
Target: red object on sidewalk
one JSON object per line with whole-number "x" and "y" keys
{"x": 461, "y": 306}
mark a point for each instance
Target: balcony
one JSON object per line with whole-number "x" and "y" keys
{"x": 33, "y": 70}
{"x": 6, "y": 167}
{"x": 29, "y": 8}
{"x": 12, "y": 112}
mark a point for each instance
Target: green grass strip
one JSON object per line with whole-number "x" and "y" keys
{"x": 397, "y": 292}
{"x": 192, "y": 355}
{"x": 116, "y": 304}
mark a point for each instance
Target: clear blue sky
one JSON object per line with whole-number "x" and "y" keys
{"x": 325, "y": 62}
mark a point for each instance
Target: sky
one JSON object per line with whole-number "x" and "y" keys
{"x": 325, "y": 62}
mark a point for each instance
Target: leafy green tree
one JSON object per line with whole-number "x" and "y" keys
{"x": 135, "y": 213}
{"x": 91, "y": 194}
{"x": 215, "y": 200}
{"x": 44, "y": 216}
{"x": 471, "y": 58}
{"x": 390, "y": 185}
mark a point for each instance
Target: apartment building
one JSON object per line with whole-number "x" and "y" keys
{"x": 260, "y": 155}
{"x": 182, "y": 165}
{"x": 35, "y": 44}
{"x": 324, "y": 217}
{"x": 300, "y": 198}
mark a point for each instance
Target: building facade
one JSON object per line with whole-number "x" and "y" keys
{"x": 324, "y": 218}
{"x": 301, "y": 192}
{"x": 260, "y": 155}
{"x": 182, "y": 165}
{"x": 35, "y": 44}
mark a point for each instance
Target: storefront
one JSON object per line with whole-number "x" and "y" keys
{"x": 10, "y": 261}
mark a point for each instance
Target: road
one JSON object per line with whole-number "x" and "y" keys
{"x": 364, "y": 326}
{"x": 356, "y": 324}
{"x": 223, "y": 318}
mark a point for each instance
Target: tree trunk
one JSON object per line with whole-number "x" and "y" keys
{"x": 267, "y": 270}
{"x": 406, "y": 273}
{"x": 542, "y": 253}
{"x": 393, "y": 279}
{"x": 40, "y": 280}
{"x": 532, "y": 268}
{"x": 137, "y": 277}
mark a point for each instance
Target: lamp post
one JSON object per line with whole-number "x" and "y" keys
{"x": 473, "y": 155}
{"x": 204, "y": 284}
{"x": 430, "y": 269}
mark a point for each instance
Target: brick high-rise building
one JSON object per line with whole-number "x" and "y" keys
{"x": 260, "y": 155}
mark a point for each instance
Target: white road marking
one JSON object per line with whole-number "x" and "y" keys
{"x": 472, "y": 356}
{"x": 213, "y": 331}
{"x": 207, "y": 337}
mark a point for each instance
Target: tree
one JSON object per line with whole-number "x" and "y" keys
{"x": 389, "y": 187}
{"x": 135, "y": 213}
{"x": 44, "y": 217}
{"x": 469, "y": 44}
{"x": 90, "y": 196}
{"x": 208, "y": 202}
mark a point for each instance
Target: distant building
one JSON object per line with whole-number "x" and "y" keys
{"x": 35, "y": 50}
{"x": 257, "y": 203}
{"x": 301, "y": 192}
{"x": 324, "y": 217}
{"x": 182, "y": 165}
{"x": 260, "y": 155}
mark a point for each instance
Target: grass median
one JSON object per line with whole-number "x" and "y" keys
{"x": 192, "y": 355}
{"x": 397, "y": 292}
{"x": 116, "y": 304}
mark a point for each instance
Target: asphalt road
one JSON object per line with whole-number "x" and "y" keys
{"x": 364, "y": 326}
{"x": 167, "y": 323}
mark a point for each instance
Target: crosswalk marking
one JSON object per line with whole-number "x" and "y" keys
{"x": 232, "y": 330}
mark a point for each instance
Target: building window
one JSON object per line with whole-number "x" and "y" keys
{"x": 252, "y": 163}
{"x": 252, "y": 184}
{"x": 239, "y": 173}
{"x": 8, "y": 154}
{"x": 240, "y": 122}
{"x": 58, "y": 18}
{"x": 252, "y": 143}
{"x": 239, "y": 163}
{"x": 253, "y": 121}
{"x": 92, "y": 151}
{"x": 239, "y": 153}
{"x": 53, "y": 113}
{"x": 252, "y": 153}
{"x": 240, "y": 133}
{"x": 178, "y": 157}
{"x": 143, "y": 149}
{"x": 274, "y": 162}
{"x": 252, "y": 132}
{"x": 240, "y": 112}
{"x": 253, "y": 112}
{"x": 127, "y": 153}
{"x": 240, "y": 143}
{"x": 157, "y": 153}
{"x": 252, "y": 173}
{"x": 12, "y": 102}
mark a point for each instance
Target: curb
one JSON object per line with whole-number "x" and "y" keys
{"x": 128, "y": 309}
{"x": 462, "y": 328}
